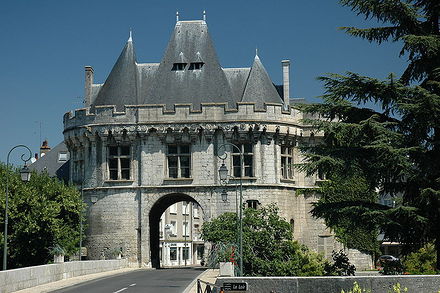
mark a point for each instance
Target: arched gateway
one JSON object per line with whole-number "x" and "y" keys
{"x": 149, "y": 135}
{"x": 155, "y": 214}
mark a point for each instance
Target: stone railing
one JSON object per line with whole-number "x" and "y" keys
{"x": 18, "y": 279}
{"x": 375, "y": 284}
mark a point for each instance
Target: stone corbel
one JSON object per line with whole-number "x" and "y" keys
{"x": 185, "y": 136}
{"x": 169, "y": 137}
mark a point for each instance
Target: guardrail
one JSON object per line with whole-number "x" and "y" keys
{"x": 209, "y": 288}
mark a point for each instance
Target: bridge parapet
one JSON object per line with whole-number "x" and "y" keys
{"x": 19, "y": 279}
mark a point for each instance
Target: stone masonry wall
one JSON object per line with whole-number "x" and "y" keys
{"x": 119, "y": 210}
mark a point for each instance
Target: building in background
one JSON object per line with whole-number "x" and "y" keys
{"x": 180, "y": 235}
{"x": 54, "y": 161}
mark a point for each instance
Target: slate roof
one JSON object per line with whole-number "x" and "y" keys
{"x": 259, "y": 87}
{"x": 237, "y": 78}
{"x": 49, "y": 163}
{"x": 130, "y": 83}
{"x": 120, "y": 88}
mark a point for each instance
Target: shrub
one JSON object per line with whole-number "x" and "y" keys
{"x": 394, "y": 267}
{"x": 268, "y": 247}
{"x": 357, "y": 289}
{"x": 341, "y": 265}
{"x": 421, "y": 262}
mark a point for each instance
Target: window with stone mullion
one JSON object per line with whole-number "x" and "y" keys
{"x": 287, "y": 162}
{"x": 244, "y": 168}
{"x": 179, "y": 161}
{"x": 119, "y": 159}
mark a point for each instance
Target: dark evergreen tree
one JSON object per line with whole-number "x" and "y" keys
{"x": 392, "y": 150}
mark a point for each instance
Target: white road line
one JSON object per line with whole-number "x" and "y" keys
{"x": 121, "y": 290}
{"x": 134, "y": 284}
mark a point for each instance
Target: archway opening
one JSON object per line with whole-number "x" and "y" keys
{"x": 175, "y": 231}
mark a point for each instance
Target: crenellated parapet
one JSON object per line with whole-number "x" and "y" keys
{"x": 244, "y": 122}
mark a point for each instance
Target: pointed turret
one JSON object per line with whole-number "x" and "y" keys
{"x": 189, "y": 71}
{"x": 259, "y": 88}
{"x": 120, "y": 88}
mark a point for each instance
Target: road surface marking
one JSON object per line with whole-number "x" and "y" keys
{"x": 134, "y": 284}
{"x": 121, "y": 290}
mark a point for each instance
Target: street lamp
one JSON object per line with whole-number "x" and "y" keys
{"x": 186, "y": 252}
{"x": 25, "y": 175}
{"x": 223, "y": 172}
{"x": 224, "y": 175}
{"x": 81, "y": 213}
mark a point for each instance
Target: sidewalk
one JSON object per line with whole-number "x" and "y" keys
{"x": 210, "y": 275}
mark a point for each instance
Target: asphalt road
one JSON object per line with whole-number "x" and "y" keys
{"x": 145, "y": 281}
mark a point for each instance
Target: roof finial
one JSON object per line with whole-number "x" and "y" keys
{"x": 177, "y": 15}
{"x": 256, "y": 54}
{"x": 204, "y": 15}
{"x": 130, "y": 37}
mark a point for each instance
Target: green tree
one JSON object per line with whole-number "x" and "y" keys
{"x": 42, "y": 213}
{"x": 421, "y": 262}
{"x": 268, "y": 248}
{"x": 394, "y": 149}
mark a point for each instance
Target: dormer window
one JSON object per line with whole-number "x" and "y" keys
{"x": 178, "y": 66}
{"x": 62, "y": 157}
{"x": 196, "y": 65}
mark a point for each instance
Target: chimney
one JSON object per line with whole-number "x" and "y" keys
{"x": 286, "y": 85}
{"x": 88, "y": 86}
{"x": 44, "y": 148}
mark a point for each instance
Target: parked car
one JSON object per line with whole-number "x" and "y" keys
{"x": 386, "y": 258}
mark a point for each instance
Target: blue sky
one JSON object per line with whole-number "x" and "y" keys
{"x": 46, "y": 44}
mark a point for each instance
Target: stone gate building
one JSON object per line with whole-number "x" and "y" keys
{"x": 149, "y": 137}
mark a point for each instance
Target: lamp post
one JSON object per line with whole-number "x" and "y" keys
{"x": 224, "y": 175}
{"x": 186, "y": 231}
{"x": 80, "y": 219}
{"x": 25, "y": 175}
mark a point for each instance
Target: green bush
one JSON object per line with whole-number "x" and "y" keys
{"x": 421, "y": 262}
{"x": 268, "y": 247}
{"x": 392, "y": 268}
{"x": 341, "y": 265}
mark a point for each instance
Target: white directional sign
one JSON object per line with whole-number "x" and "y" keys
{"x": 235, "y": 287}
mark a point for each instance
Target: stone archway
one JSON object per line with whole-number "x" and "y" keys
{"x": 156, "y": 211}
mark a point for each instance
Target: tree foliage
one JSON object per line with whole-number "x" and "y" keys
{"x": 421, "y": 262}
{"x": 43, "y": 213}
{"x": 394, "y": 149}
{"x": 268, "y": 248}
{"x": 341, "y": 265}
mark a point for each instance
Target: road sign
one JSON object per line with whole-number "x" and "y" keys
{"x": 235, "y": 287}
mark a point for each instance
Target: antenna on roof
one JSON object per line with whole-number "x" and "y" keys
{"x": 204, "y": 15}
{"x": 130, "y": 38}
{"x": 256, "y": 51}
{"x": 177, "y": 15}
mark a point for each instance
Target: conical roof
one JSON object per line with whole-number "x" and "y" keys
{"x": 189, "y": 43}
{"x": 259, "y": 88}
{"x": 120, "y": 87}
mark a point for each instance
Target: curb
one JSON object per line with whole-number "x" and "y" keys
{"x": 193, "y": 283}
